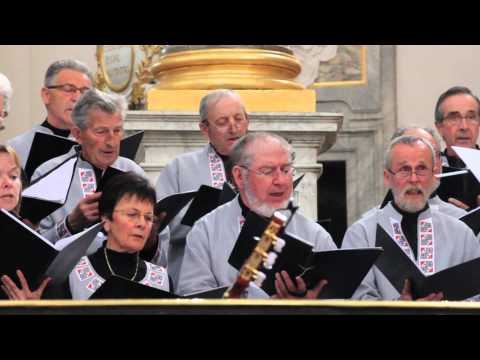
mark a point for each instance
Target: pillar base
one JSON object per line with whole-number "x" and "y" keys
{"x": 280, "y": 100}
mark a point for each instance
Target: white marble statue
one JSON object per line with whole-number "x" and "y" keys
{"x": 310, "y": 57}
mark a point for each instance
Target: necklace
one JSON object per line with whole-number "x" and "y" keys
{"x": 110, "y": 267}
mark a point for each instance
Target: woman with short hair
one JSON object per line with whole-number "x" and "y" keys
{"x": 126, "y": 208}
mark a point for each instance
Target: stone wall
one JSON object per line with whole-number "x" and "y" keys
{"x": 369, "y": 119}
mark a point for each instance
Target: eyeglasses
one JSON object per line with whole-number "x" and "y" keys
{"x": 135, "y": 216}
{"x": 69, "y": 88}
{"x": 406, "y": 171}
{"x": 270, "y": 171}
{"x": 455, "y": 118}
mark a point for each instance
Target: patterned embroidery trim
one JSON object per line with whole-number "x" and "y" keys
{"x": 146, "y": 282}
{"x": 400, "y": 239}
{"x": 62, "y": 229}
{"x": 86, "y": 275}
{"x": 94, "y": 284}
{"x": 156, "y": 275}
{"x": 87, "y": 181}
{"x": 84, "y": 271}
{"x": 157, "y": 268}
{"x": 217, "y": 172}
{"x": 83, "y": 262}
{"x": 425, "y": 244}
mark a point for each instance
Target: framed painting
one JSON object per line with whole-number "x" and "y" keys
{"x": 116, "y": 64}
{"x": 347, "y": 67}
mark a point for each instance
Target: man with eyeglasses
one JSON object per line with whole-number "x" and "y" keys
{"x": 5, "y": 95}
{"x": 431, "y": 239}
{"x": 65, "y": 81}
{"x": 262, "y": 170}
{"x": 434, "y": 201}
{"x": 223, "y": 120}
{"x": 457, "y": 120}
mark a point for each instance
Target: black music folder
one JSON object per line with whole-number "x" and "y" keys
{"x": 464, "y": 187}
{"x": 458, "y": 282}
{"x": 109, "y": 173}
{"x": 388, "y": 197}
{"x": 204, "y": 200}
{"x": 45, "y": 147}
{"x": 292, "y": 259}
{"x": 344, "y": 268}
{"x": 172, "y": 205}
{"x": 26, "y": 250}
{"x": 472, "y": 219}
{"x": 117, "y": 287}
{"x": 35, "y": 209}
{"x": 228, "y": 194}
{"x": 207, "y": 199}
{"x": 298, "y": 181}
{"x": 48, "y": 192}
{"x": 130, "y": 144}
{"x": 70, "y": 250}
{"x": 48, "y": 146}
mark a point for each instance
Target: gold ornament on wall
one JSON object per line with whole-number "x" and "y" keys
{"x": 143, "y": 75}
{"x": 125, "y": 70}
{"x": 100, "y": 82}
{"x": 201, "y": 67}
{"x": 115, "y": 64}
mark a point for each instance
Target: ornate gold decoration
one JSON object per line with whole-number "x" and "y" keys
{"x": 143, "y": 75}
{"x": 100, "y": 82}
{"x": 264, "y": 67}
{"x": 103, "y": 77}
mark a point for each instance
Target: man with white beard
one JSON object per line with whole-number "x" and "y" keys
{"x": 408, "y": 219}
{"x": 434, "y": 201}
{"x": 262, "y": 169}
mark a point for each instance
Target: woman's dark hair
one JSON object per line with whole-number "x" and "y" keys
{"x": 127, "y": 184}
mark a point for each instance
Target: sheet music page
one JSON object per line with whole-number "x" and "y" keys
{"x": 54, "y": 186}
{"x": 471, "y": 159}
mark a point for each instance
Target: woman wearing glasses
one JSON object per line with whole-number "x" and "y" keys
{"x": 126, "y": 208}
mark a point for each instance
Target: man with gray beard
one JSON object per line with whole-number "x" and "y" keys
{"x": 262, "y": 169}
{"x": 409, "y": 173}
{"x": 434, "y": 201}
